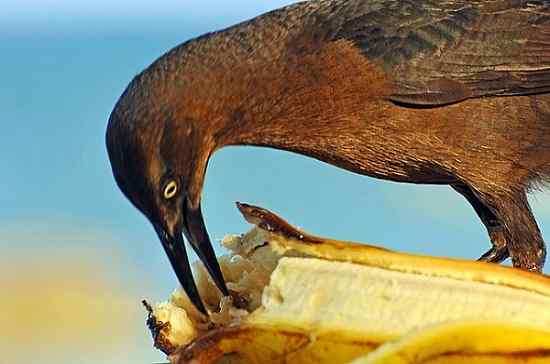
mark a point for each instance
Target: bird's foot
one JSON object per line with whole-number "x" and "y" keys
{"x": 499, "y": 251}
{"x": 495, "y": 255}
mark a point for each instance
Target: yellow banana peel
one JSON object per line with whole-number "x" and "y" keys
{"x": 307, "y": 299}
{"x": 466, "y": 342}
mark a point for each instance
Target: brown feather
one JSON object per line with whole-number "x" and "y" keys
{"x": 441, "y": 92}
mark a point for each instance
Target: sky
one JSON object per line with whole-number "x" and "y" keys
{"x": 76, "y": 258}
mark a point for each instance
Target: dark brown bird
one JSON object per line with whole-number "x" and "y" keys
{"x": 421, "y": 91}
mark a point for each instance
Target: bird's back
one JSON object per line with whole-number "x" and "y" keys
{"x": 434, "y": 52}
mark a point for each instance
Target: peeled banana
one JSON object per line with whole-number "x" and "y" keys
{"x": 298, "y": 298}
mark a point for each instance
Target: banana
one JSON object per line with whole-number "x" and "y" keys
{"x": 307, "y": 299}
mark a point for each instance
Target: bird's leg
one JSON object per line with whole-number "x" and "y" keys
{"x": 523, "y": 239}
{"x": 498, "y": 251}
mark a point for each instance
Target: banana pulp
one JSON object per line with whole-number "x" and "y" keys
{"x": 304, "y": 299}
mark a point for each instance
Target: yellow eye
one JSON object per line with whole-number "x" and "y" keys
{"x": 170, "y": 190}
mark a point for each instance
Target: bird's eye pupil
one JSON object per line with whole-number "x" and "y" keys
{"x": 170, "y": 189}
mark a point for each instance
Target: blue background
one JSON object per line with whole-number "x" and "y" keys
{"x": 76, "y": 258}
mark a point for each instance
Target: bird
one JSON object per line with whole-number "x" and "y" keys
{"x": 448, "y": 92}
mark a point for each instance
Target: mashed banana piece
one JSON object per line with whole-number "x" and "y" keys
{"x": 247, "y": 270}
{"x": 170, "y": 326}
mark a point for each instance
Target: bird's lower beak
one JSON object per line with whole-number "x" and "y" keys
{"x": 195, "y": 231}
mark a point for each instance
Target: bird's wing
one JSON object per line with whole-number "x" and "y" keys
{"x": 439, "y": 52}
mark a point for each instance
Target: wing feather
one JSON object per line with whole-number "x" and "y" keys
{"x": 439, "y": 52}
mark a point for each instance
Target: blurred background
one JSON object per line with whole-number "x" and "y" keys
{"x": 76, "y": 258}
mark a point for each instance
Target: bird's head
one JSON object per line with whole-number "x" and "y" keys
{"x": 159, "y": 159}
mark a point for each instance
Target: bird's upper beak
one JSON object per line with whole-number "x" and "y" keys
{"x": 192, "y": 225}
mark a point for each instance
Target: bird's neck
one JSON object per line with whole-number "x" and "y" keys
{"x": 296, "y": 103}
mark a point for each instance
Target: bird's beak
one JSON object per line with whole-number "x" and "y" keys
{"x": 174, "y": 247}
{"x": 195, "y": 231}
